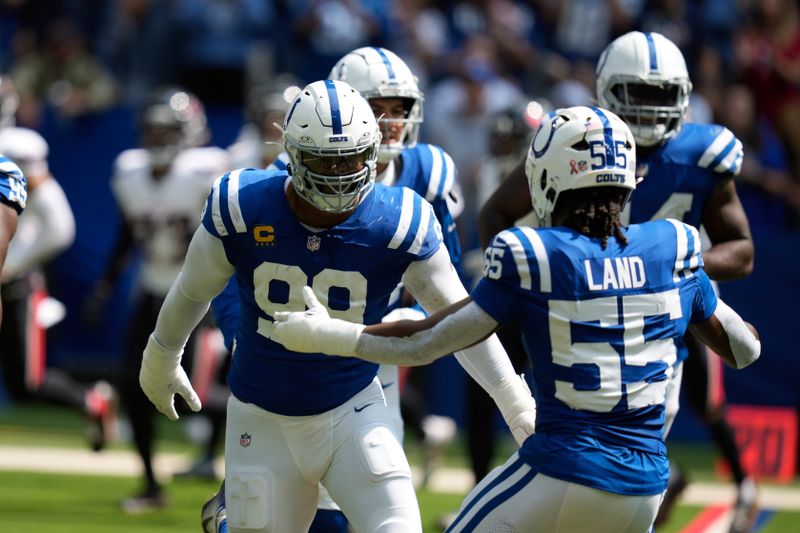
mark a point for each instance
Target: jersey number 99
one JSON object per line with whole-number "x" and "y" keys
{"x": 293, "y": 276}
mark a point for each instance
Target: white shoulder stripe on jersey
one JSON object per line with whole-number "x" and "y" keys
{"x": 450, "y": 173}
{"x": 233, "y": 202}
{"x": 520, "y": 258}
{"x": 404, "y": 224}
{"x": 422, "y": 230}
{"x": 694, "y": 261}
{"x": 682, "y": 250}
{"x": 436, "y": 173}
{"x": 216, "y": 216}
{"x": 545, "y": 280}
{"x": 729, "y": 162}
{"x": 711, "y": 153}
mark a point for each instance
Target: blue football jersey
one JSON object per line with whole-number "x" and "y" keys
{"x": 353, "y": 269}
{"x": 430, "y": 172}
{"x": 601, "y": 328}
{"x": 13, "y": 186}
{"x": 680, "y": 175}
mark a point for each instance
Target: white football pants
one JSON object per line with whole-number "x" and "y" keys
{"x": 515, "y": 498}
{"x": 274, "y": 465}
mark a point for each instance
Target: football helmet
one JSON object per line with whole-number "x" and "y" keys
{"x": 332, "y": 139}
{"x": 380, "y": 73}
{"x": 9, "y": 102}
{"x": 172, "y": 120}
{"x": 576, "y": 148}
{"x": 642, "y": 77}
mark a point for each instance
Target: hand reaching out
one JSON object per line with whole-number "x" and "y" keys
{"x": 314, "y": 331}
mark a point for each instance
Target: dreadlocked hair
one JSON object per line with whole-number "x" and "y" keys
{"x": 595, "y": 212}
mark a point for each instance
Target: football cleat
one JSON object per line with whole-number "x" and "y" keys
{"x": 147, "y": 501}
{"x": 746, "y": 508}
{"x": 213, "y": 516}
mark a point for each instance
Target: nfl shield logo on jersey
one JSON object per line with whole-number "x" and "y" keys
{"x": 244, "y": 439}
{"x": 313, "y": 243}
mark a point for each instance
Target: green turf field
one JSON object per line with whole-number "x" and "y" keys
{"x": 60, "y": 503}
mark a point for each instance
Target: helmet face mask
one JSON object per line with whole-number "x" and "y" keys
{"x": 576, "y": 148}
{"x": 378, "y": 74}
{"x": 642, "y": 77}
{"x": 332, "y": 139}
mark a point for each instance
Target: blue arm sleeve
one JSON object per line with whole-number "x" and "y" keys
{"x": 225, "y": 308}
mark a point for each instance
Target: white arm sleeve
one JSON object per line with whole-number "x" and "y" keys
{"x": 46, "y": 228}
{"x": 435, "y": 284}
{"x": 205, "y": 272}
{"x": 746, "y": 348}
{"x": 466, "y": 326}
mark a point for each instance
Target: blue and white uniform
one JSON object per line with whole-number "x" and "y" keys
{"x": 13, "y": 186}
{"x": 584, "y": 313}
{"x": 680, "y": 176}
{"x": 356, "y": 265}
{"x": 430, "y": 172}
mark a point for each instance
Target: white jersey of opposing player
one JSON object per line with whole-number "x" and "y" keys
{"x": 163, "y": 213}
{"x": 47, "y": 226}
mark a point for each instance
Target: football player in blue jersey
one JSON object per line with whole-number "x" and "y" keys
{"x": 295, "y": 421}
{"x": 396, "y": 100}
{"x": 689, "y": 170}
{"x": 600, "y": 306}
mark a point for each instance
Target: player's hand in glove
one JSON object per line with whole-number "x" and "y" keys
{"x": 314, "y": 331}
{"x": 161, "y": 377}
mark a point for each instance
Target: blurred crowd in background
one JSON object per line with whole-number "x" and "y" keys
{"x": 474, "y": 58}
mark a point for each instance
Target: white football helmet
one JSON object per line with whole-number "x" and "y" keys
{"x": 172, "y": 120}
{"x": 642, "y": 77}
{"x": 576, "y": 148}
{"x": 27, "y": 148}
{"x": 330, "y": 127}
{"x": 380, "y": 73}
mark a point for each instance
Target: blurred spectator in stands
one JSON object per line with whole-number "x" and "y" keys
{"x": 583, "y": 28}
{"x": 324, "y": 30}
{"x": 510, "y": 25}
{"x": 459, "y": 111}
{"x": 215, "y": 39}
{"x": 667, "y": 17}
{"x": 708, "y": 81}
{"x": 768, "y": 53}
{"x": 418, "y": 33}
{"x": 63, "y": 73}
{"x": 139, "y": 42}
{"x": 770, "y": 189}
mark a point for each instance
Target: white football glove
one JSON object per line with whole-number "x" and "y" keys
{"x": 161, "y": 377}
{"x": 314, "y": 331}
{"x": 517, "y": 406}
